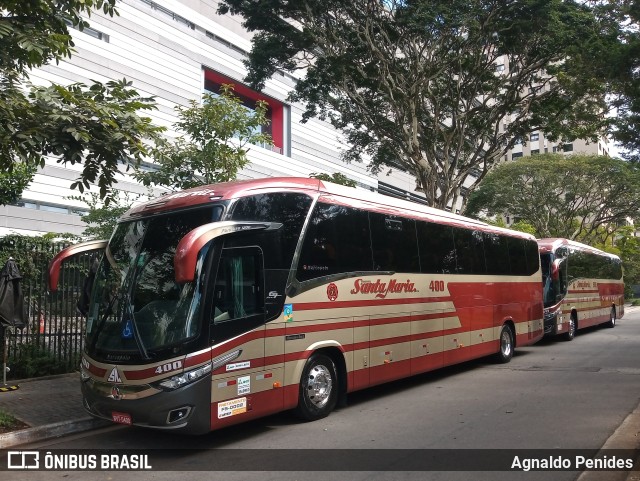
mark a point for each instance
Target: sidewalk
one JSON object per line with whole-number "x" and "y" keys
{"x": 51, "y": 406}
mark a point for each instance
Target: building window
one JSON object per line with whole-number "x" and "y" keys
{"x": 92, "y": 32}
{"x": 49, "y": 207}
{"x": 275, "y": 112}
{"x": 535, "y": 151}
{"x": 170, "y": 13}
{"x": 516, "y": 155}
{"x": 567, "y": 148}
{"x": 534, "y": 136}
{"x": 500, "y": 68}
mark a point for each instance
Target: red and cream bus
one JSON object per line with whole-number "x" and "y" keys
{"x": 583, "y": 287}
{"x": 228, "y": 302}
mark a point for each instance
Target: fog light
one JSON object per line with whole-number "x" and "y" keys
{"x": 178, "y": 415}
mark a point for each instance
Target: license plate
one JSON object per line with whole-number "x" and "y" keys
{"x": 121, "y": 418}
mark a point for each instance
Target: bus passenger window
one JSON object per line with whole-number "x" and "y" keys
{"x": 469, "y": 251}
{"x": 394, "y": 243}
{"x": 337, "y": 241}
{"x": 437, "y": 250}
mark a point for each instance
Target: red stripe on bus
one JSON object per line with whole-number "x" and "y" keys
{"x": 309, "y": 306}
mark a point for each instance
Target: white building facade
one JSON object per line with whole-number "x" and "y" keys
{"x": 174, "y": 50}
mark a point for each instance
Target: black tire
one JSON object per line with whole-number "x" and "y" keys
{"x": 507, "y": 345}
{"x": 573, "y": 327}
{"x": 612, "y": 318}
{"x": 318, "y": 388}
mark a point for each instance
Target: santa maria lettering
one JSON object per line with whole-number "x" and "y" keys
{"x": 381, "y": 289}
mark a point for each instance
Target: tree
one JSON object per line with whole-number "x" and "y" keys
{"x": 581, "y": 197}
{"x": 336, "y": 178}
{"x": 13, "y": 182}
{"x": 97, "y": 126}
{"x": 442, "y": 89}
{"x": 101, "y": 219}
{"x": 627, "y": 246}
{"x": 214, "y": 147}
{"x": 618, "y": 65}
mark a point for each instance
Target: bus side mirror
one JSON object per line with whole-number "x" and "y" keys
{"x": 56, "y": 263}
{"x": 189, "y": 247}
{"x": 555, "y": 270}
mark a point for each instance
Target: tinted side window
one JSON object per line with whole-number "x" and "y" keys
{"x": 337, "y": 240}
{"x": 437, "y": 250}
{"x": 617, "y": 269}
{"x": 394, "y": 243}
{"x": 577, "y": 264}
{"x": 238, "y": 299}
{"x": 533, "y": 256}
{"x": 496, "y": 253}
{"x": 288, "y": 208}
{"x": 469, "y": 251}
{"x": 518, "y": 256}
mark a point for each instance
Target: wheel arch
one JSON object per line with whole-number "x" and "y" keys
{"x": 337, "y": 353}
{"x": 509, "y": 322}
{"x": 574, "y": 314}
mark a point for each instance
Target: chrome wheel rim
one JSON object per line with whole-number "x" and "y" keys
{"x": 505, "y": 343}
{"x": 319, "y": 385}
{"x": 572, "y": 327}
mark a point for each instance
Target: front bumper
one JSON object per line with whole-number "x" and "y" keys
{"x": 186, "y": 409}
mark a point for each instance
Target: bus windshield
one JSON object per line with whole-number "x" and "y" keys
{"x": 137, "y": 308}
{"x": 554, "y": 279}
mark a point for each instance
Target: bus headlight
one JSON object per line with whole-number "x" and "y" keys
{"x": 174, "y": 382}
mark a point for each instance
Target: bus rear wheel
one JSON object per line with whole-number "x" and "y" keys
{"x": 506, "y": 345}
{"x": 318, "y": 388}
{"x": 612, "y": 318}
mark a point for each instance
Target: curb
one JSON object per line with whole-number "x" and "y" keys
{"x": 627, "y": 436}
{"x": 55, "y": 430}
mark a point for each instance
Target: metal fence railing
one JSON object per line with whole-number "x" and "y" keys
{"x": 52, "y": 341}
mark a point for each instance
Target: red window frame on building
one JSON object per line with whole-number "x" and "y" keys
{"x": 275, "y": 112}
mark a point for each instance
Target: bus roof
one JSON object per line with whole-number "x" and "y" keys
{"x": 349, "y": 196}
{"x": 553, "y": 243}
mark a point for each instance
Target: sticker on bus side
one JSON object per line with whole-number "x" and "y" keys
{"x": 238, "y": 365}
{"x": 288, "y": 312}
{"x": 232, "y": 407}
{"x": 244, "y": 385}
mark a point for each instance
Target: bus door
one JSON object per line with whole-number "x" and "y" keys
{"x": 237, "y": 330}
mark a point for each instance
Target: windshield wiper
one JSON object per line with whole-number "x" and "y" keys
{"x": 129, "y": 312}
{"x": 136, "y": 333}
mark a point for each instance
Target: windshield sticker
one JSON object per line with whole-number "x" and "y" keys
{"x": 127, "y": 332}
{"x": 288, "y": 312}
{"x": 244, "y": 385}
{"x": 238, "y": 365}
{"x": 232, "y": 407}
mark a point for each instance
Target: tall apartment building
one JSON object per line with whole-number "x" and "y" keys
{"x": 175, "y": 50}
{"x": 537, "y": 144}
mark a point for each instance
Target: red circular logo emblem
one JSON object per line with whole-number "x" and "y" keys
{"x": 332, "y": 292}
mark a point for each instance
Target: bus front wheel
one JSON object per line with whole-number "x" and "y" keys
{"x": 318, "y": 388}
{"x": 506, "y": 345}
{"x": 612, "y": 318}
{"x": 573, "y": 325}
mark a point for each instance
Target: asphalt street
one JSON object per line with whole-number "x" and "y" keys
{"x": 554, "y": 395}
